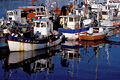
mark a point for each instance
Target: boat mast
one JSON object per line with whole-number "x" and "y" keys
{"x": 73, "y": 6}
{"x": 47, "y": 2}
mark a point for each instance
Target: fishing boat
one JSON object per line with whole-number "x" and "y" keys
{"x": 26, "y": 14}
{"x": 74, "y": 23}
{"x": 94, "y": 33}
{"x": 71, "y": 26}
{"x": 41, "y": 36}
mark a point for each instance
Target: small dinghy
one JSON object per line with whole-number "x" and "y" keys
{"x": 94, "y": 33}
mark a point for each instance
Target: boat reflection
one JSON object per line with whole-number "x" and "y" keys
{"x": 76, "y": 51}
{"x": 76, "y": 58}
{"x": 31, "y": 62}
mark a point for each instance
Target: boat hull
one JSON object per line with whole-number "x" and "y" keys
{"x": 92, "y": 37}
{"x": 18, "y": 45}
{"x": 70, "y": 34}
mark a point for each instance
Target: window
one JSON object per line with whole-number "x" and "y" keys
{"x": 104, "y": 13}
{"x": 43, "y": 25}
{"x": 16, "y": 13}
{"x": 70, "y": 19}
{"x": 37, "y": 9}
{"x": 37, "y": 24}
{"x": 10, "y": 13}
{"x": 41, "y": 9}
{"x": 65, "y": 20}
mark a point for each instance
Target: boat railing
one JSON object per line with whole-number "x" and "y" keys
{"x": 26, "y": 40}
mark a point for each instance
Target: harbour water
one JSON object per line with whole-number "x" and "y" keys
{"x": 83, "y": 60}
{"x": 72, "y": 60}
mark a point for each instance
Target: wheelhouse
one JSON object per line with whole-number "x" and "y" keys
{"x": 71, "y": 21}
{"x": 14, "y": 14}
{"x": 43, "y": 26}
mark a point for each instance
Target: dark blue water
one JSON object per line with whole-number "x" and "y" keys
{"x": 86, "y": 61}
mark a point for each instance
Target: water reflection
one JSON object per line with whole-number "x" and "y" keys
{"x": 31, "y": 62}
{"x": 70, "y": 54}
{"x": 73, "y": 60}
{"x": 74, "y": 51}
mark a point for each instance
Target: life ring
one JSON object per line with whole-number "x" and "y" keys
{"x": 76, "y": 26}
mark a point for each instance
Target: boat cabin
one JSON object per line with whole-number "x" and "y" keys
{"x": 27, "y": 13}
{"x": 43, "y": 27}
{"x": 70, "y": 21}
{"x": 107, "y": 14}
{"x": 14, "y": 15}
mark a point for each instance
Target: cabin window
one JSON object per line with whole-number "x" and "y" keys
{"x": 37, "y": 9}
{"x": 41, "y": 9}
{"x": 16, "y": 13}
{"x": 70, "y": 19}
{"x": 65, "y": 20}
{"x": 43, "y": 25}
{"x": 10, "y": 13}
{"x": 37, "y": 24}
{"x": 47, "y": 24}
{"x": 104, "y": 13}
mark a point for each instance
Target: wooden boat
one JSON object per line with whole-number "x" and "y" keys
{"x": 95, "y": 33}
{"x": 41, "y": 36}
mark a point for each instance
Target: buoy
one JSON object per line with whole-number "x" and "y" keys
{"x": 50, "y": 40}
{"x": 50, "y": 54}
{"x": 85, "y": 32}
{"x": 66, "y": 27}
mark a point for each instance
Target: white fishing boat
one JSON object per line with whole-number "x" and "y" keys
{"x": 72, "y": 26}
{"x": 43, "y": 36}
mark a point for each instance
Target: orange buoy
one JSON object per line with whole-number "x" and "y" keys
{"x": 85, "y": 32}
{"x": 66, "y": 27}
{"x": 50, "y": 54}
{"x": 50, "y": 40}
